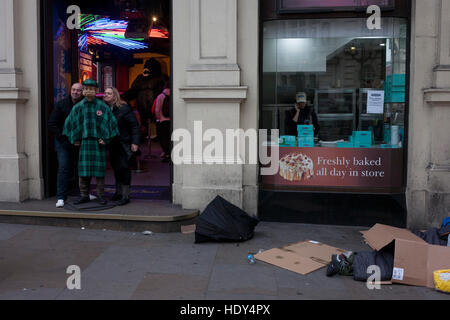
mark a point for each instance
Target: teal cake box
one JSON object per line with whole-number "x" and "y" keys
{"x": 395, "y": 88}
{"x": 306, "y": 141}
{"x": 305, "y": 130}
{"x": 288, "y": 141}
{"x": 362, "y": 139}
{"x": 345, "y": 145}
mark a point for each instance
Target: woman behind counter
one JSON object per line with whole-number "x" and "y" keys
{"x": 122, "y": 150}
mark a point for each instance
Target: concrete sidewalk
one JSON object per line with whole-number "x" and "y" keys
{"x": 131, "y": 266}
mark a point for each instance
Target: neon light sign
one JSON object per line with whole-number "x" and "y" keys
{"x": 98, "y": 30}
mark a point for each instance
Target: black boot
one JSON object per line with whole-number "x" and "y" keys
{"x": 125, "y": 196}
{"x": 118, "y": 195}
{"x": 82, "y": 200}
{"x": 102, "y": 200}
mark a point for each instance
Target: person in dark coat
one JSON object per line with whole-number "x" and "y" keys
{"x": 145, "y": 88}
{"x": 65, "y": 151}
{"x": 124, "y": 148}
{"x": 302, "y": 114}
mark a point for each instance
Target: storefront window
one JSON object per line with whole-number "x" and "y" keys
{"x": 330, "y": 5}
{"x": 336, "y": 91}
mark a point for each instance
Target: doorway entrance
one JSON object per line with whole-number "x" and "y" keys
{"x": 111, "y": 42}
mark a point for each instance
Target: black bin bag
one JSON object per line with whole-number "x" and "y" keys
{"x": 224, "y": 222}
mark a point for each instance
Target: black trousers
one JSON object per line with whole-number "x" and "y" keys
{"x": 123, "y": 176}
{"x": 164, "y": 136}
{"x": 144, "y": 119}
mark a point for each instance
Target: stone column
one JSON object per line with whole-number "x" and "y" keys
{"x": 211, "y": 93}
{"x": 429, "y": 145}
{"x": 13, "y": 159}
{"x": 437, "y": 101}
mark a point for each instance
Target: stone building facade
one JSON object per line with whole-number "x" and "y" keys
{"x": 216, "y": 80}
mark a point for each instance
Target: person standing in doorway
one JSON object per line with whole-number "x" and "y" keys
{"x": 122, "y": 149}
{"x": 145, "y": 89}
{"x": 64, "y": 150}
{"x": 92, "y": 126}
{"x": 163, "y": 121}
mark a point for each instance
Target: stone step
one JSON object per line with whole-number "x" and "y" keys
{"x": 138, "y": 216}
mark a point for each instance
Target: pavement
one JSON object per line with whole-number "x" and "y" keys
{"x": 118, "y": 265}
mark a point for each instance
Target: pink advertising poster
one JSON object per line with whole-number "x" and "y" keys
{"x": 331, "y": 4}
{"x": 338, "y": 167}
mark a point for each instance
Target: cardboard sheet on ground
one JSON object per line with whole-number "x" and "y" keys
{"x": 414, "y": 259}
{"x": 303, "y": 257}
{"x": 188, "y": 229}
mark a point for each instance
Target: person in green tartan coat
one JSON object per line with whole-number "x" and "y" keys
{"x": 91, "y": 125}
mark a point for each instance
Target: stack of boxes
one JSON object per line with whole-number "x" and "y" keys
{"x": 363, "y": 139}
{"x": 305, "y": 136}
{"x": 395, "y": 88}
{"x": 359, "y": 139}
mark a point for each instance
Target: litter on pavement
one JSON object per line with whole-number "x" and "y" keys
{"x": 224, "y": 222}
{"x": 188, "y": 229}
{"x": 420, "y": 258}
{"x": 302, "y": 257}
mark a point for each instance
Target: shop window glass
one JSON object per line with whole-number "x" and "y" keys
{"x": 354, "y": 80}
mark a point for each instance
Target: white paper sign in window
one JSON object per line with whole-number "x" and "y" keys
{"x": 375, "y": 102}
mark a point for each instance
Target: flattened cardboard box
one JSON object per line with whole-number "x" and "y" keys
{"x": 188, "y": 229}
{"x": 303, "y": 257}
{"x": 414, "y": 260}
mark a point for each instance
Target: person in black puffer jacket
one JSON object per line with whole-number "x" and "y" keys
{"x": 66, "y": 153}
{"x": 124, "y": 148}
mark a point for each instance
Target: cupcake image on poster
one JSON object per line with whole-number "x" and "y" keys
{"x": 296, "y": 167}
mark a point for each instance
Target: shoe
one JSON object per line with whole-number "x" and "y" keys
{"x": 102, "y": 201}
{"x": 82, "y": 200}
{"x": 92, "y": 197}
{"x": 334, "y": 267}
{"x": 123, "y": 202}
{"x": 341, "y": 264}
{"x": 60, "y": 204}
{"x": 126, "y": 196}
{"x": 116, "y": 197}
